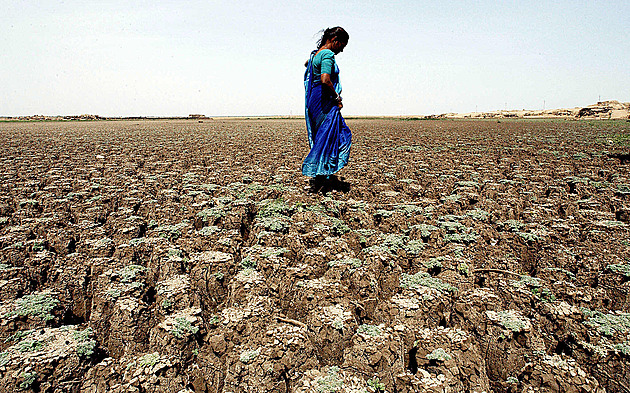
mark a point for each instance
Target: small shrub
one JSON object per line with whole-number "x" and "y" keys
{"x": 463, "y": 269}
{"x": 149, "y": 360}
{"x": 478, "y": 214}
{"x": 354, "y": 263}
{"x": 464, "y": 238}
{"x": 608, "y": 324}
{"x": 376, "y": 385}
{"x": 183, "y": 327}
{"x": 29, "y": 379}
{"x": 511, "y": 225}
{"x": 209, "y": 230}
{"x": 331, "y": 382}
{"x": 211, "y": 214}
{"x": 622, "y": 269}
{"x": 414, "y": 247}
{"x": 4, "y": 359}
{"x": 30, "y": 345}
{"x": 510, "y": 320}
{"x": 130, "y": 272}
{"x": 529, "y": 237}
{"x": 274, "y": 208}
{"x": 383, "y": 213}
{"x": 114, "y": 293}
{"x": 339, "y": 227}
{"x": 249, "y": 356}
{"x": 425, "y": 280}
{"x": 370, "y": 330}
{"x": 439, "y": 354}
{"x": 171, "y": 231}
{"x": 85, "y": 345}
{"x": 275, "y": 223}
{"x": 434, "y": 263}
{"x": 527, "y": 281}
{"x": 248, "y": 263}
{"x": 38, "y": 305}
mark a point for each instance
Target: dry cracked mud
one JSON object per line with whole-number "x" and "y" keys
{"x": 185, "y": 256}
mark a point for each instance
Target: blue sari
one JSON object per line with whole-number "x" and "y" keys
{"x": 328, "y": 135}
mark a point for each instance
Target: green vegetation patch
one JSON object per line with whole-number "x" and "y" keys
{"x": 130, "y": 273}
{"x": 464, "y": 238}
{"x": 353, "y": 263}
{"x": 5, "y": 359}
{"x": 511, "y": 226}
{"x": 248, "y": 263}
{"x": 171, "y": 231}
{"x": 425, "y": 280}
{"x": 182, "y": 327}
{"x": 425, "y": 230}
{"x": 439, "y": 354}
{"x": 510, "y": 320}
{"x": 463, "y": 269}
{"x": 338, "y": 226}
{"x": 370, "y": 330}
{"x": 467, "y": 184}
{"x": 30, "y": 345}
{"x": 331, "y": 382}
{"x": 608, "y": 324}
{"x": 527, "y": 281}
{"x": 85, "y": 345}
{"x": 529, "y": 237}
{"x": 38, "y": 305}
{"x": 211, "y": 214}
{"x": 434, "y": 263}
{"x": 275, "y": 223}
{"x": 478, "y": 214}
{"x": 149, "y": 360}
{"x": 249, "y": 356}
{"x": 623, "y": 269}
{"x": 376, "y": 385}
{"x": 409, "y": 210}
{"x": 28, "y": 379}
{"x": 274, "y": 207}
{"x": 622, "y": 140}
{"x": 394, "y": 242}
{"x": 209, "y": 230}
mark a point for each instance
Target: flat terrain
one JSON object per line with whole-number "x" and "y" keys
{"x": 193, "y": 256}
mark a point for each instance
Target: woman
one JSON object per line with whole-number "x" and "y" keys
{"x": 328, "y": 135}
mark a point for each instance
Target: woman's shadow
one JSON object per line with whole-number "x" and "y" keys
{"x": 326, "y": 184}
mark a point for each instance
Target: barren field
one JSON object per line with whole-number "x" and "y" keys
{"x": 186, "y": 256}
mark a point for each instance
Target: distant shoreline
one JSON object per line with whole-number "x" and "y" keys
{"x": 605, "y": 110}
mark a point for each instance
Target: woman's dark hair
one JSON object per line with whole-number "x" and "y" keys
{"x": 333, "y": 32}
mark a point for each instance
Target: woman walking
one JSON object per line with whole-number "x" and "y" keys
{"x": 328, "y": 135}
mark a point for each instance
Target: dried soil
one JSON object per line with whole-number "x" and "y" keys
{"x": 186, "y": 256}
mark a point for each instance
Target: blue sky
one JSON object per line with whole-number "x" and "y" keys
{"x": 163, "y": 58}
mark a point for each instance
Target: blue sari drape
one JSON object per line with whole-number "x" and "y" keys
{"x": 328, "y": 135}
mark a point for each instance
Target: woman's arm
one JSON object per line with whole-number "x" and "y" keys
{"x": 328, "y": 83}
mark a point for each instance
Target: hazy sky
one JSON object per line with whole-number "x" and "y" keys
{"x": 174, "y": 58}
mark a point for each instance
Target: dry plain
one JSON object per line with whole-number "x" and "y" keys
{"x": 193, "y": 256}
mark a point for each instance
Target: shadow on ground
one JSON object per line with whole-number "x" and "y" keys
{"x": 326, "y": 184}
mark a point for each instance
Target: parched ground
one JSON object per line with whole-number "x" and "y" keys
{"x": 185, "y": 256}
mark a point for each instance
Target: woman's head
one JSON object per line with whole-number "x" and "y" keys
{"x": 336, "y": 35}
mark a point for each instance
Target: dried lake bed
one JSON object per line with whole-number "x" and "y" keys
{"x": 193, "y": 256}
